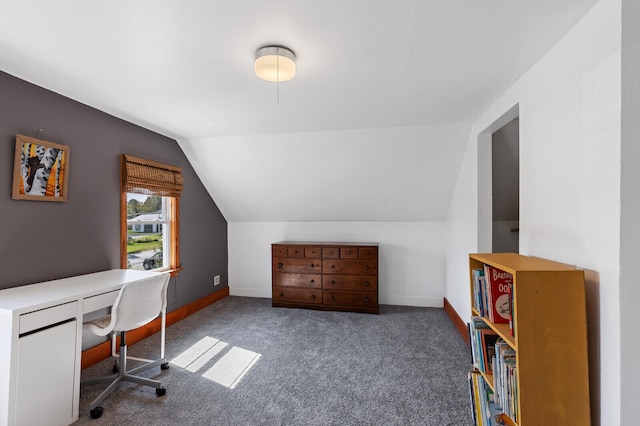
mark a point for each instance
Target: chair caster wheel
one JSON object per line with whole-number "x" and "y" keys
{"x": 161, "y": 391}
{"x": 164, "y": 366}
{"x": 96, "y": 412}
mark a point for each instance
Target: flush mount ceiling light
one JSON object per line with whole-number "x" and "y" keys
{"x": 275, "y": 63}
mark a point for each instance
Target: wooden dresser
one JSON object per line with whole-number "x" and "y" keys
{"x": 327, "y": 276}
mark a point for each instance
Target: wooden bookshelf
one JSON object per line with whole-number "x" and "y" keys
{"x": 550, "y": 325}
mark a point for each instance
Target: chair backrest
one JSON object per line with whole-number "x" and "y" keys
{"x": 139, "y": 303}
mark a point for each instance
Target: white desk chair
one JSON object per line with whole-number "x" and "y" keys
{"x": 138, "y": 303}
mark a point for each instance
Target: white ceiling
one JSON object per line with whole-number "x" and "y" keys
{"x": 184, "y": 69}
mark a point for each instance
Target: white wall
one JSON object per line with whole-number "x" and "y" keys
{"x": 411, "y": 256}
{"x": 387, "y": 185}
{"x": 630, "y": 201}
{"x": 569, "y": 106}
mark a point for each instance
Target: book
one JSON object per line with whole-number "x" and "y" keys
{"x": 498, "y": 283}
{"x": 475, "y": 326}
{"x": 476, "y": 384}
{"x": 498, "y": 417}
{"x": 486, "y": 397}
{"x": 479, "y": 287}
{"x": 505, "y": 360}
{"x": 512, "y": 327}
{"x": 488, "y": 338}
{"x": 474, "y": 415}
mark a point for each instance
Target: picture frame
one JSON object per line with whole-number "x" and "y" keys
{"x": 40, "y": 170}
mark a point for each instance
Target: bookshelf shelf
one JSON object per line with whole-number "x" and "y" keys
{"x": 501, "y": 329}
{"x": 489, "y": 379}
{"x": 549, "y": 319}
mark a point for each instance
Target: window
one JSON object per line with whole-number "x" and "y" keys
{"x": 148, "y": 231}
{"x": 150, "y": 214}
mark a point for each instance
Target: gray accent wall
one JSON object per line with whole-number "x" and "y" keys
{"x": 42, "y": 241}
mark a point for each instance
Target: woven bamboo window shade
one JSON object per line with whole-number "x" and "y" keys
{"x": 142, "y": 176}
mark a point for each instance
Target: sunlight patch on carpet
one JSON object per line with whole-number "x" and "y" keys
{"x": 199, "y": 354}
{"x": 227, "y": 371}
{"x": 232, "y": 367}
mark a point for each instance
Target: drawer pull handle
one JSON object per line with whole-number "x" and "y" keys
{"x": 313, "y": 266}
{"x": 366, "y": 284}
{"x": 333, "y": 266}
{"x": 333, "y": 282}
{"x": 281, "y": 294}
{"x": 313, "y": 281}
{"x": 313, "y": 296}
{"x": 366, "y": 300}
{"x": 333, "y": 298}
{"x": 366, "y": 268}
{"x": 280, "y": 265}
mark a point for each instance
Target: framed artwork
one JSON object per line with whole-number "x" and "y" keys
{"x": 40, "y": 170}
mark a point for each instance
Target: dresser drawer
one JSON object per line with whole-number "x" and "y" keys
{"x": 297, "y": 265}
{"x": 283, "y": 279}
{"x": 348, "y": 252}
{"x": 350, "y": 267}
{"x": 330, "y": 252}
{"x": 350, "y": 282}
{"x": 297, "y": 295}
{"x": 350, "y": 298}
{"x": 278, "y": 251}
{"x": 313, "y": 252}
{"x": 368, "y": 252}
{"x": 295, "y": 251}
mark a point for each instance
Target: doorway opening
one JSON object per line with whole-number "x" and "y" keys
{"x": 505, "y": 184}
{"x": 499, "y": 185}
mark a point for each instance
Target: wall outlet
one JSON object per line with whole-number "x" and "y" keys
{"x": 216, "y": 280}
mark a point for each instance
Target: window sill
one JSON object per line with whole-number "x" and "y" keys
{"x": 173, "y": 272}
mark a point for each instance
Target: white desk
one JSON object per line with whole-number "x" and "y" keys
{"x": 41, "y": 344}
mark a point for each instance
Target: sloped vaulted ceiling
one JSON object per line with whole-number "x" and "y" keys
{"x": 400, "y": 174}
{"x": 364, "y": 131}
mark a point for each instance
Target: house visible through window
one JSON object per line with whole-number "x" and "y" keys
{"x": 150, "y": 214}
{"x": 148, "y": 231}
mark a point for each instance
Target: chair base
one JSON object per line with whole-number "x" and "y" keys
{"x": 124, "y": 375}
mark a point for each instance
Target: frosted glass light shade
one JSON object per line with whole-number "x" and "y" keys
{"x": 275, "y": 63}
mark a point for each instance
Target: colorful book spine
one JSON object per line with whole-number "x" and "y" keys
{"x": 512, "y": 328}
{"x": 478, "y": 291}
{"x": 504, "y": 377}
{"x": 483, "y": 340}
{"x": 472, "y": 396}
{"x": 498, "y": 284}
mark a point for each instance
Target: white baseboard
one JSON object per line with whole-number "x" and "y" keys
{"x": 423, "y": 302}
{"x": 250, "y": 292}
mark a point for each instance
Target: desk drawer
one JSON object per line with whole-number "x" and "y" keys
{"x": 99, "y": 301}
{"x": 48, "y": 316}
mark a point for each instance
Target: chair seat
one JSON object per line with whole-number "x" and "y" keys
{"x": 101, "y": 323}
{"x": 100, "y": 326}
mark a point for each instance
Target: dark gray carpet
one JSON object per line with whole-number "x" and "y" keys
{"x": 406, "y": 366}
